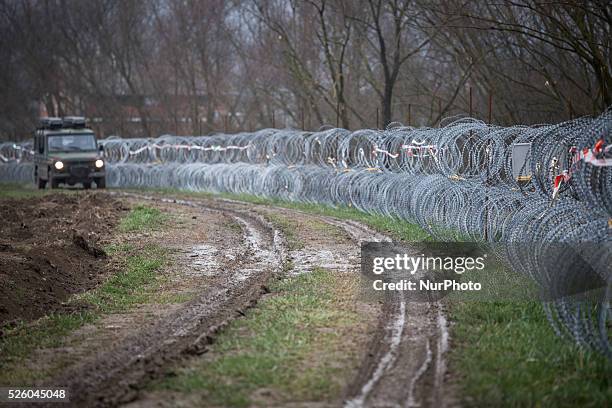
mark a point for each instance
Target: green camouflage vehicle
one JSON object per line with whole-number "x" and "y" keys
{"x": 66, "y": 151}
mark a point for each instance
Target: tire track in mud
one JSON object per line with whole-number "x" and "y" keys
{"x": 405, "y": 365}
{"x": 112, "y": 377}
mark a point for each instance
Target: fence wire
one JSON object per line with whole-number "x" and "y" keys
{"x": 462, "y": 181}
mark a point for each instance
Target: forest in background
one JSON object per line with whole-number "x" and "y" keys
{"x": 193, "y": 67}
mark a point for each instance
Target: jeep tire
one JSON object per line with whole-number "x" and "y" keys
{"x": 101, "y": 182}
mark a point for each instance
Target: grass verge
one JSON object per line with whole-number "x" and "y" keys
{"x": 506, "y": 354}
{"x": 292, "y": 346}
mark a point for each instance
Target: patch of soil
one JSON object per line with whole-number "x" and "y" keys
{"x": 51, "y": 248}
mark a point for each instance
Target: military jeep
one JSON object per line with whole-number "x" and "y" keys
{"x": 66, "y": 151}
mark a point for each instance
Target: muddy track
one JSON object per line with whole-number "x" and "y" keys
{"x": 405, "y": 364}
{"x": 112, "y": 377}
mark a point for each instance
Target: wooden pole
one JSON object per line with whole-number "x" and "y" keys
{"x": 409, "y": 118}
{"x": 273, "y": 121}
{"x": 471, "y": 111}
{"x": 490, "y": 107}
{"x": 377, "y": 118}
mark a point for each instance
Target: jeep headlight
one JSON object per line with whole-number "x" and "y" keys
{"x": 99, "y": 163}
{"x": 59, "y": 165}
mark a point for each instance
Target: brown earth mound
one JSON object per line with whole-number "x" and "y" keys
{"x": 50, "y": 248}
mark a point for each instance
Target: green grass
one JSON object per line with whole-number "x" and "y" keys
{"x": 118, "y": 248}
{"x": 290, "y": 344}
{"x": 133, "y": 285}
{"x": 506, "y": 354}
{"x": 142, "y": 218}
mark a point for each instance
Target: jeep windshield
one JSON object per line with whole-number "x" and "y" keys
{"x": 72, "y": 143}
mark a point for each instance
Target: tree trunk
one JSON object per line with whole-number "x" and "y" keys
{"x": 386, "y": 102}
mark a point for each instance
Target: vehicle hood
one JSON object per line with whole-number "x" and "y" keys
{"x": 75, "y": 156}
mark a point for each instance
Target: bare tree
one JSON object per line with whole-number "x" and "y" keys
{"x": 192, "y": 67}
{"x": 391, "y": 24}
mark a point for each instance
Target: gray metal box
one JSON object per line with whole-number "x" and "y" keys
{"x": 521, "y": 161}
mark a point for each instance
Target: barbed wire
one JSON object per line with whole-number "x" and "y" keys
{"x": 465, "y": 181}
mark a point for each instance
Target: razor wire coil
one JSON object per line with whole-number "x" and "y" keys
{"x": 456, "y": 182}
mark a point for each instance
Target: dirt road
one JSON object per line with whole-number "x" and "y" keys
{"x": 233, "y": 250}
